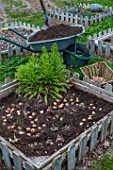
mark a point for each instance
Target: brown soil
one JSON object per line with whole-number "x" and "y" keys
{"x": 13, "y": 36}
{"x": 109, "y": 40}
{"x": 43, "y": 129}
{"x": 2, "y": 166}
{"x": 58, "y": 31}
{"x": 2, "y": 14}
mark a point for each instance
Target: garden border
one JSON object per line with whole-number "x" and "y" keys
{"x": 16, "y": 51}
{"x": 96, "y": 46}
{"x": 68, "y": 153}
{"x": 74, "y": 19}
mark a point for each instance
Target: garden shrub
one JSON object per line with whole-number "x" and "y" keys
{"x": 73, "y": 10}
{"x": 96, "y": 7}
{"x": 85, "y": 12}
{"x": 45, "y": 75}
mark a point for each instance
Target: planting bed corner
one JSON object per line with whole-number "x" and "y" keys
{"x": 54, "y": 136}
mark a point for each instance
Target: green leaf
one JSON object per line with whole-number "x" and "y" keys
{"x": 45, "y": 99}
{"x": 44, "y": 76}
{"x": 56, "y": 94}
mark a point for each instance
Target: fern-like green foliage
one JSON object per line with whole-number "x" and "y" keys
{"x": 45, "y": 75}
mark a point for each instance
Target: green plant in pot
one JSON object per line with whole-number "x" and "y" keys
{"x": 44, "y": 76}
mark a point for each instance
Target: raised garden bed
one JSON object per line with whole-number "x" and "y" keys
{"x": 53, "y": 117}
{"x": 52, "y": 126}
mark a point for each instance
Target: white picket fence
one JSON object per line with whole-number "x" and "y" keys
{"x": 62, "y": 16}
{"x": 20, "y": 24}
{"x": 96, "y": 46}
{"x": 16, "y": 50}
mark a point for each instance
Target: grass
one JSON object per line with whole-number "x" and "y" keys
{"x": 14, "y": 3}
{"x": 27, "y": 16}
{"x": 106, "y": 163}
{"x": 61, "y": 3}
{"x": 96, "y": 28}
{"x": 9, "y": 67}
{"x": 17, "y": 11}
{"x": 11, "y": 5}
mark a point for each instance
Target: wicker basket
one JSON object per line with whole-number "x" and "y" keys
{"x": 100, "y": 69}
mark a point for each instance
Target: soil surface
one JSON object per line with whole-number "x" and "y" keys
{"x": 44, "y": 129}
{"x": 57, "y": 31}
{"x": 2, "y": 14}
{"x": 2, "y": 166}
{"x": 109, "y": 40}
{"x": 9, "y": 34}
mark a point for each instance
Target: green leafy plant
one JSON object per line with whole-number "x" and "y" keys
{"x": 73, "y": 10}
{"x": 96, "y": 7}
{"x": 45, "y": 75}
{"x": 8, "y": 67}
{"x": 106, "y": 163}
{"x": 85, "y": 12}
